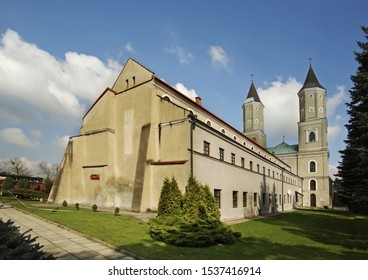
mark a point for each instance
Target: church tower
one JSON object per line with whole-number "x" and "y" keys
{"x": 253, "y": 118}
{"x": 313, "y": 143}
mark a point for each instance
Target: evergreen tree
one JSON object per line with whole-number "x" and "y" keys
{"x": 353, "y": 169}
{"x": 171, "y": 199}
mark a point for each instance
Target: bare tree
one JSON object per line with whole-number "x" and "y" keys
{"x": 17, "y": 166}
{"x": 49, "y": 170}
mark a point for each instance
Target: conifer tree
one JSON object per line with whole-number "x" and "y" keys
{"x": 171, "y": 198}
{"x": 353, "y": 169}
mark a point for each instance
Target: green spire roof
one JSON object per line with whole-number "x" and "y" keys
{"x": 311, "y": 80}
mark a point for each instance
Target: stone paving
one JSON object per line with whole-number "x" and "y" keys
{"x": 62, "y": 243}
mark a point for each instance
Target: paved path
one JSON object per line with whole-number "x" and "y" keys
{"x": 62, "y": 243}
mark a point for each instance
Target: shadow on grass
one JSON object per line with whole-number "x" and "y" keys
{"x": 343, "y": 229}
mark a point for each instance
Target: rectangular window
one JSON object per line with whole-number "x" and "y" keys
{"x": 255, "y": 198}
{"x": 269, "y": 172}
{"x": 251, "y": 165}
{"x": 258, "y": 168}
{"x": 217, "y": 195}
{"x": 270, "y": 199}
{"x": 242, "y": 162}
{"x": 232, "y": 158}
{"x": 263, "y": 199}
{"x": 235, "y": 199}
{"x": 245, "y": 199}
{"x": 206, "y": 148}
{"x": 221, "y": 152}
{"x": 273, "y": 174}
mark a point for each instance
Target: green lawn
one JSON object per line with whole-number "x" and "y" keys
{"x": 298, "y": 235}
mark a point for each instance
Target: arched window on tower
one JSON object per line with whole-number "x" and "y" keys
{"x": 312, "y": 166}
{"x": 312, "y": 185}
{"x": 312, "y": 136}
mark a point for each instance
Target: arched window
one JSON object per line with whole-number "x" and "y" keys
{"x": 166, "y": 97}
{"x": 312, "y": 136}
{"x": 312, "y": 166}
{"x": 208, "y": 122}
{"x": 312, "y": 185}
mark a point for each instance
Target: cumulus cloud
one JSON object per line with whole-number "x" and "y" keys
{"x": 334, "y": 131}
{"x": 191, "y": 93}
{"x": 16, "y": 136}
{"x": 56, "y": 88}
{"x": 129, "y": 47}
{"x": 62, "y": 142}
{"x": 183, "y": 56}
{"x": 281, "y": 110}
{"x": 336, "y": 100}
{"x": 219, "y": 56}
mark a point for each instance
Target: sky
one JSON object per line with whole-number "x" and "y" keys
{"x": 57, "y": 57}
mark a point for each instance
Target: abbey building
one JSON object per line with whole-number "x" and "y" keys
{"x": 142, "y": 130}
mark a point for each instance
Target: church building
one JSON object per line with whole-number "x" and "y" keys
{"x": 143, "y": 130}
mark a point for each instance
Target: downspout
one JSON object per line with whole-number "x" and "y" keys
{"x": 193, "y": 120}
{"x": 282, "y": 189}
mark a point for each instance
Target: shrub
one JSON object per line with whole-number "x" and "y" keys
{"x": 171, "y": 198}
{"x": 64, "y": 204}
{"x": 7, "y": 183}
{"x": 94, "y": 208}
{"x": 23, "y": 183}
{"x": 77, "y": 206}
{"x": 116, "y": 211}
{"x": 196, "y": 225}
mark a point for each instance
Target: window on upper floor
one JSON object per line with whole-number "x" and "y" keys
{"x": 232, "y": 158}
{"x": 312, "y": 136}
{"x": 242, "y": 162}
{"x": 312, "y": 185}
{"x": 245, "y": 199}
{"x": 206, "y": 148}
{"x": 221, "y": 153}
{"x": 312, "y": 166}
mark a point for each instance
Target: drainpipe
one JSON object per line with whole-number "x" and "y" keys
{"x": 282, "y": 189}
{"x": 193, "y": 120}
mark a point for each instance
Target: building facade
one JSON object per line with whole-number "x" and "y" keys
{"x": 142, "y": 130}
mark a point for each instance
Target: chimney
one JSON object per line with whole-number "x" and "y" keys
{"x": 198, "y": 101}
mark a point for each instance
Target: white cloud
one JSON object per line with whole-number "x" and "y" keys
{"x": 58, "y": 89}
{"x": 129, "y": 47}
{"x": 334, "y": 131}
{"x": 336, "y": 100}
{"x": 219, "y": 56}
{"x": 62, "y": 142}
{"x": 36, "y": 133}
{"x": 184, "y": 56}
{"x": 281, "y": 110}
{"x": 332, "y": 170}
{"x": 17, "y": 137}
{"x": 191, "y": 93}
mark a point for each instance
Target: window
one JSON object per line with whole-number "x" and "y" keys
{"x": 321, "y": 109}
{"x": 223, "y": 131}
{"x": 235, "y": 199}
{"x": 263, "y": 199}
{"x": 269, "y": 199}
{"x": 255, "y": 198}
{"x": 258, "y": 168}
{"x": 312, "y": 166}
{"x": 217, "y": 195}
{"x": 242, "y": 162}
{"x": 166, "y": 97}
{"x": 133, "y": 80}
{"x": 312, "y": 185}
{"x": 206, "y": 148}
{"x": 245, "y": 199}
{"x": 234, "y": 137}
{"x": 311, "y": 109}
{"x": 251, "y": 165}
{"x": 269, "y": 173}
{"x": 232, "y": 158}
{"x": 208, "y": 122}
{"x": 221, "y": 152}
{"x": 312, "y": 136}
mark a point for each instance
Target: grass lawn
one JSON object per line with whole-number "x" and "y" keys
{"x": 298, "y": 235}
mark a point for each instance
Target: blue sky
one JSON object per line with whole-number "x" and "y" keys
{"x": 56, "y": 57}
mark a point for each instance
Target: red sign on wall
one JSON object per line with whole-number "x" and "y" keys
{"x": 95, "y": 177}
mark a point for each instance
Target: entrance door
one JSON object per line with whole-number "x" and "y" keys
{"x": 313, "y": 200}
